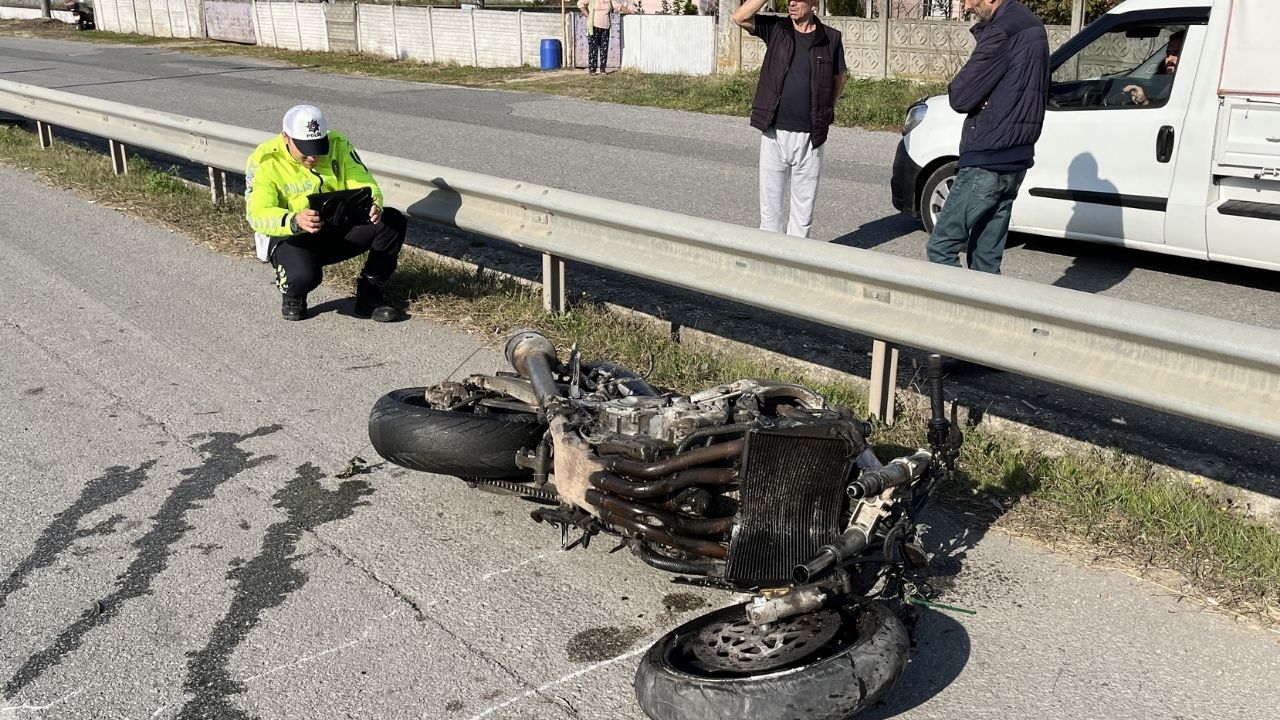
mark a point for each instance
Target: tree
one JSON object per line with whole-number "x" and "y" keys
{"x": 846, "y": 8}
{"x": 1058, "y": 12}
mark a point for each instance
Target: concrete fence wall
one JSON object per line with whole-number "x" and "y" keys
{"x": 904, "y": 49}
{"x": 27, "y": 13}
{"x": 878, "y": 48}
{"x": 161, "y": 18}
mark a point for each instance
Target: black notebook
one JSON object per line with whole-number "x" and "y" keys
{"x": 342, "y": 207}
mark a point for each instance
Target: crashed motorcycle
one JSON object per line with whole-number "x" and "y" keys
{"x": 754, "y": 487}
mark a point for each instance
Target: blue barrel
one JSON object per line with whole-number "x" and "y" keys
{"x": 550, "y": 54}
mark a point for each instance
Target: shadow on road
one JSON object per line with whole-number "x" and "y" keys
{"x": 879, "y": 232}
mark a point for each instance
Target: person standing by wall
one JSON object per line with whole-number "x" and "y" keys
{"x": 1003, "y": 89}
{"x": 801, "y": 80}
{"x": 597, "y": 13}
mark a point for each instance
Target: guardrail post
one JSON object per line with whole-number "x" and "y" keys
{"x": 884, "y": 380}
{"x": 553, "y": 296}
{"x": 119, "y": 160}
{"x": 217, "y": 185}
{"x": 45, "y": 131}
{"x": 885, "y": 7}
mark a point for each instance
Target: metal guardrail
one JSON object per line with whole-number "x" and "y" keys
{"x": 1218, "y": 371}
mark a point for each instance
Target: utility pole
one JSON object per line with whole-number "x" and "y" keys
{"x": 1077, "y": 16}
{"x": 45, "y": 10}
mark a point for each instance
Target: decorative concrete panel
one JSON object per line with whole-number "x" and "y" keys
{"x": 927, "y": 49}
{"x": 413, "y": 33}
{"x": 161, "y": 23}
{"x": 863, "y": 45}
{"x": 497, "y": 36}
{"x": 752, "y": 52}
{"x": 314, "y": 35}
{"x": 284, "y": 19}
{"x": 340, "y": 24}
{"x": 930, "y": 49}
{"x": 373, "y": 25}
{"x": 452, "y": 36}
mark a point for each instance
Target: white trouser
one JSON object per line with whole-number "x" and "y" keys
{"x": 788, "y": 157}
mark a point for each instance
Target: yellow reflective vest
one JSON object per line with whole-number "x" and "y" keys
{"x": 277, "y": 186}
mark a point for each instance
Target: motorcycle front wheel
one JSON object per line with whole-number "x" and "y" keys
{"x": 826, "y": 665}
{"x": 407, "y": 431}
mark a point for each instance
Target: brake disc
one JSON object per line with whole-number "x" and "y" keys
{"x": 735, "y": 645}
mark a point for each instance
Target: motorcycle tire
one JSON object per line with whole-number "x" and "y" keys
{"x": 406, "y": 431}
{"x": 845, "y": 676}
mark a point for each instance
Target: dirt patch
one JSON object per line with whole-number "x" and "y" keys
{"x": 38, "y": 27}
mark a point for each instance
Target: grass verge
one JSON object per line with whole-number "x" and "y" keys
{"x": 871, "y": 104}
{"x": 1108, "y": 505}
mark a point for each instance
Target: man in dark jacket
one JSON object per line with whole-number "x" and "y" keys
{"x": 800, "y": 81}
{"x": 1003, "y": 90}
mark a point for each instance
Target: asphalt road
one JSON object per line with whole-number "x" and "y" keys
{"x": 174, "y": 542}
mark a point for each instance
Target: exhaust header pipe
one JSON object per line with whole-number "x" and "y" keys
{"x": 533, "y": 356}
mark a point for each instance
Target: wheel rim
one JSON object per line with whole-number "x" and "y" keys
{"x": 938, "y": 198}
{"x": 734, "y": 645}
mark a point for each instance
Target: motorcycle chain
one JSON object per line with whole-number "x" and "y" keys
{"x": 518, "y": 488}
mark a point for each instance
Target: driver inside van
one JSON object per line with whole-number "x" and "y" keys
{"x": 1163, "y": 80}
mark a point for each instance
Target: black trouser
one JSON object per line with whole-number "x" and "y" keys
{"x": 598, "y": 43}
{"x": 298, "y": 259}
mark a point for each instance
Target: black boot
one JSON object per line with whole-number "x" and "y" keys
{"x": 370, "y": 302}
{"x": 293, "y": 308}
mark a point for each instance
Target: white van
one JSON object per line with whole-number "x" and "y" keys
{"x": 1188, "y": 165}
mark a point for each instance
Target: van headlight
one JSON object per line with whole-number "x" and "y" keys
{"x": 915, "y": 116}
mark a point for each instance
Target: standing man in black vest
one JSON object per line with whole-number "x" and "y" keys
{"x": 800, "y": 81}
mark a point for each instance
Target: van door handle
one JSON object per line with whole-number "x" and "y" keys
{"x": 1164, "y": 144}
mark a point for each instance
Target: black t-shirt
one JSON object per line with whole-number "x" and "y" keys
{"x": 793, "y": 109}
{"x": 794, "y": 112}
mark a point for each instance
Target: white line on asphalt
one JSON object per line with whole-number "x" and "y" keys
{"x": 516, "y": 566}
{"x": 300, "y": 661}
{"x": 566, "y": 678}
{"x": 11, "y": 711}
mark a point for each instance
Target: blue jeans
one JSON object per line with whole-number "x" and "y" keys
{"x": 975, "y": 219}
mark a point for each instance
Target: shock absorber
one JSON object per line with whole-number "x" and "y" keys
{"x": 944, "y": 435}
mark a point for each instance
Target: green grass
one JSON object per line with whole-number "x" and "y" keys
{"x": 871, "y": 104}
{"x": 1113, "y": 506}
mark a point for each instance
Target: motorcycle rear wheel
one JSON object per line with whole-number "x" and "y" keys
{"x": 406, "y": 431}
{"x": 852, "y": 669}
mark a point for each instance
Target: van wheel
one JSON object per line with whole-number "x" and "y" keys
{"x": 934, "y": 194}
